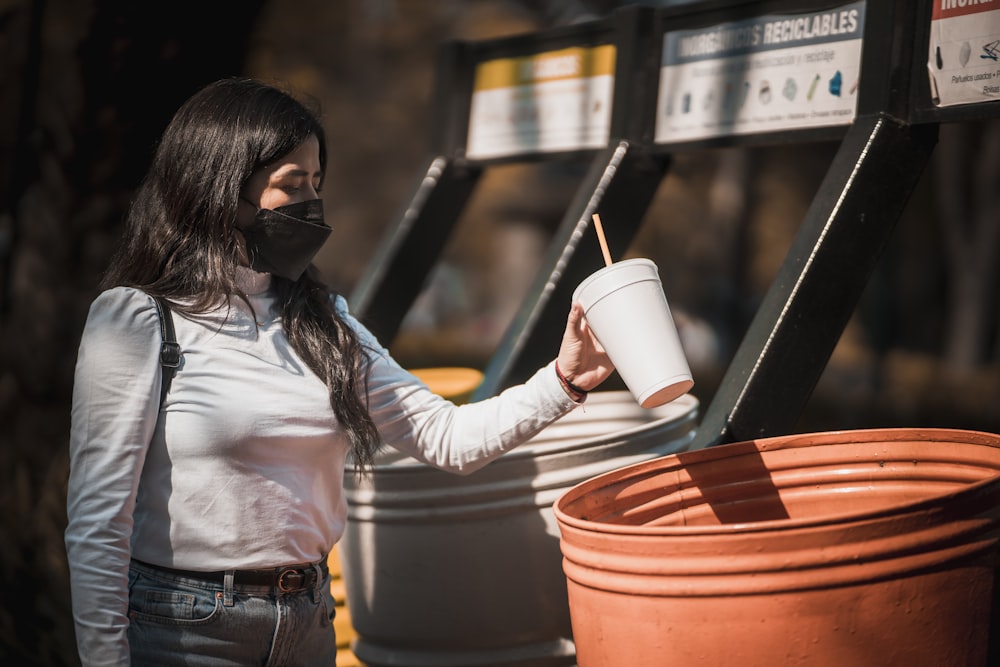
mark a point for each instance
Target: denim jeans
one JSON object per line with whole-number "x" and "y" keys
{"x": 176, "y": 620}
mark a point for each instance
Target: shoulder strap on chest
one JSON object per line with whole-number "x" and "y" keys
{"x": 170, "y": 350}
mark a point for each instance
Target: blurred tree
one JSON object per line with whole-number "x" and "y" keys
{"x": 966, "y": 175}
{"x": 97, "y": 83}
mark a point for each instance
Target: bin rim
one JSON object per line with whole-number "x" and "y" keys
{"x": 885, "y": 436}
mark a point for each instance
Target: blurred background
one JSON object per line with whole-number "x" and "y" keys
{"x": 88, "y": 85}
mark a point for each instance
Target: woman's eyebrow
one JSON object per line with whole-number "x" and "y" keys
{"x": 297, "y": 173}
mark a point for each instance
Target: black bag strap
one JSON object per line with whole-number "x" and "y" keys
{"x": 170, "y": 350}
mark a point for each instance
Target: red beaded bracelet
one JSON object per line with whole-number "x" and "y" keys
{"x": 569, "y": 385}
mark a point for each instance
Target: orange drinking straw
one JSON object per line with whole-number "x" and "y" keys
{"x": 604, "y": 241}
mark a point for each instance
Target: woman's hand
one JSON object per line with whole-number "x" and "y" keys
{"x": 582, "y": 360}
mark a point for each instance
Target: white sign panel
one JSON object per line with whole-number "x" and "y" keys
{"x": 964, "y": 57}
{"x": 764, "y": 74}
{"x": 552, "y": 101}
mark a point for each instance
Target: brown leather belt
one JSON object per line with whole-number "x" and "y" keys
{"x": 286, "y": 579}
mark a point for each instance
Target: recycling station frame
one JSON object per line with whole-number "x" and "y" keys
{"x": 882, "y": 153}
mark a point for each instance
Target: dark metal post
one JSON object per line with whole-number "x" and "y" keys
{"x": 411, "y": 247}
{"x": 818, "y": 286}
{"x": 405, "y": 258}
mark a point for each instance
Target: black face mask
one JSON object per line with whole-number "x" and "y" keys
{"x": 284, "y": 240}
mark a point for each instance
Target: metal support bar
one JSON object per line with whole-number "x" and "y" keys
{"x": 397, "y": 273}
{"x": 820, "y": 282}
{"x": 619, "y": 186}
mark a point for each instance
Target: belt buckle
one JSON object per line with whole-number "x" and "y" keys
{"x": 297, "y": 578}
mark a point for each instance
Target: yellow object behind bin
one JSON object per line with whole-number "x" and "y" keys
{"x": 455, "y": 383}
{"x": 342, "y": 620}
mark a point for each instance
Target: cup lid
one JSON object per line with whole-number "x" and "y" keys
{"x": 615, "y": 276}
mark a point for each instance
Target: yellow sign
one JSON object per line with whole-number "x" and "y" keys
{"x": 547, "y": 102}
{"x": 571, "y": 63}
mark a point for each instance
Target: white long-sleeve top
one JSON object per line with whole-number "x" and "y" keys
{"x": 242, "y": 466}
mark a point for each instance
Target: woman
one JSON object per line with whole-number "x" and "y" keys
{"x": 199, "y": 524}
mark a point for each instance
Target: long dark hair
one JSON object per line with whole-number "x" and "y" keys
{"x": 179, "y": 239}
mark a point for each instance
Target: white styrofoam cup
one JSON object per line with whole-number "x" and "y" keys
{"x": 627, "y": 310}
